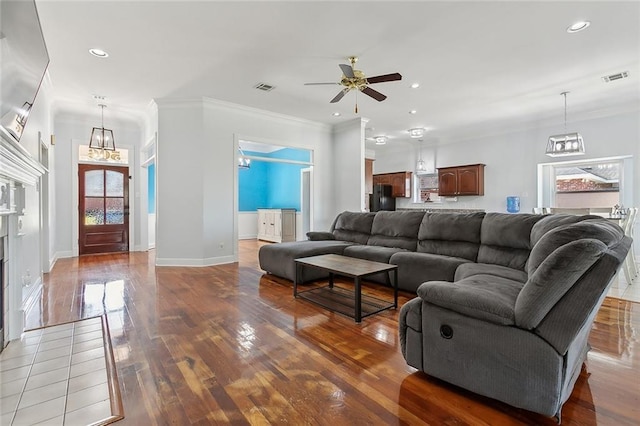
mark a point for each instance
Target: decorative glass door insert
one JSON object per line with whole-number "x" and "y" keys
{"x": 104, "y": 208}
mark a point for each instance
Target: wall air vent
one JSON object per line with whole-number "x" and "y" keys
{"x": 264, "y": 87}
{"x": 613, "y": 77}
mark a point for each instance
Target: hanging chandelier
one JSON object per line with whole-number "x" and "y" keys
{"x": 243, "y": 162}
{"x": 420, "y": 166}
{"x": 102, "y": 138}
{"x": 566, "y": 143}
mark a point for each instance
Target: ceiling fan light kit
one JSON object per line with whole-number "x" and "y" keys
{"x": 416, "y": 132}
{"x": 380, "y": 140}
{"x": 353, "y": 79}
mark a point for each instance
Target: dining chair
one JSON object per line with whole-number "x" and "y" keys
{"x": 630, "y": 261}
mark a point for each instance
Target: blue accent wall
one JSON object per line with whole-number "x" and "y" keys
{"x": 271, "y": 185}
{"x": 151, "y": 187}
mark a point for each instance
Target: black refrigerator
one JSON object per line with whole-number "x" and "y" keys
{"x": 381, "y": 198}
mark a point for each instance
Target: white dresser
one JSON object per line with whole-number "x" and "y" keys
{"x": 277, "y": 225}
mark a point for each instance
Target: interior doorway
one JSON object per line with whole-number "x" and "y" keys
{"x": 597, "y": 183}
{"x": 270, "y": 176}
{"x": 43, "y": 188}
{"x": 306, "y": 208}
{"x": 103, "y": 202}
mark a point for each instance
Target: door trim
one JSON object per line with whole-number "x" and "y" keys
{"x": 75, "y": 216}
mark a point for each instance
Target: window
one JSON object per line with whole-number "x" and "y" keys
{"x": 426, "y": 188}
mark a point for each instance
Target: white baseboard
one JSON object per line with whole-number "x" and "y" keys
{"x": 32, "y": 298}
{"x": 210, "y": 261}
{"x": 63, "y": 254}
{"x": 248, "y": 237}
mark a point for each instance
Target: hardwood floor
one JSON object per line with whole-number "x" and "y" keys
{"x": 228, "y": 344}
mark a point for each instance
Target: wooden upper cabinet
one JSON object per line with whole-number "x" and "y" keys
{"x": 368, "y": 176}
{"x": 461, "y": 180}
{"x": 400, "y": 183}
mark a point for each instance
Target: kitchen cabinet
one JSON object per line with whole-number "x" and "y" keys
{"x": 461, "y": 180}
{"x": 277, "y": 225}
{"x": 399, "y": 181}
{"x": 368, "y": 176}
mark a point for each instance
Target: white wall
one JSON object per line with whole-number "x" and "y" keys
{"x": 27, "y": 248}
{"x": 348, "y": 165}
{"x": 511, "y": 158}
{"x": 71, "y": 129}
{"x": 196, "y": 167}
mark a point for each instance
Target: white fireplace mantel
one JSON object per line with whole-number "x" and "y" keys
{"x": 17, "y": 169}
{"x": 16, "y": 163}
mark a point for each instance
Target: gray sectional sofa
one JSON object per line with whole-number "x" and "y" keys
{"x": 505, "y": 302}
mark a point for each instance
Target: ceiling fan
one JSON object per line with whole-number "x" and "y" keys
{"x": 353, "y": 79}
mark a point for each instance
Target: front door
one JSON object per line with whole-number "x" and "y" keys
{"x": 104, "y": 209}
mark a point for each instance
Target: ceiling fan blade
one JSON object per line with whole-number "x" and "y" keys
{"x": 320, "y": 84}
{"x": 374, "y": 94}
{"x": 383, "y": 78}
{"x": 339, "y": 96}
{"x": 347, "y": 70}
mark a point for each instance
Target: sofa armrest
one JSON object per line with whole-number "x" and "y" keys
{"x": 320, "y": 236}
{"x": 553, "y": 278}
{"x": 485, "y": 297}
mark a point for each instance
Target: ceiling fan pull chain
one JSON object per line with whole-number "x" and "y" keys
{"x": 357, "y": 101}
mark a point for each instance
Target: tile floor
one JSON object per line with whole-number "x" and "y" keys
{"x": 623, "y": 290}
{"x": 55, "y": 376}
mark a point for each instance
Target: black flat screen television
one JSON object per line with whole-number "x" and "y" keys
{"x": 23, "y": 63}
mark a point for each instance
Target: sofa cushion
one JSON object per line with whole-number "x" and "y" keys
{"x": 599, "y": 229}
{"x": 373, "y": 253}
{"x": 505, "y": 239}
{"x": 552, "y": 221}
{"x": 469, "y": 269}
{"x": 353, "y": 226}
{"x": 416, "y": 268}
{"x": 396, "y": 229}
{"x": 320, "y": 236}
{"x": 450, "y": 234}
{"x": 485, "y": 297}
{"x": 278, "y": 259}
{"x": 554, "y": 277}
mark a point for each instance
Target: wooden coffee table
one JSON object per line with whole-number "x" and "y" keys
{"x": 350, "y": 303}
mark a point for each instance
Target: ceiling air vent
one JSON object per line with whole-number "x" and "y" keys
{"x": 613, "y": 77}
{"x": 264, "y": 87}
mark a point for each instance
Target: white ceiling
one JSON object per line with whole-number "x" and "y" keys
{"x": 480, "y": 65}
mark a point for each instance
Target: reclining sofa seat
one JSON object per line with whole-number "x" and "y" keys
{"x": 348, "y": 228}
{"x": 517, "y": 336}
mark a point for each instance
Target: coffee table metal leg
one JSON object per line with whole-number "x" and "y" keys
{"x": 395, "y": 288}
{"x": 358, "y": 302}
{"x": 295, "y": 282}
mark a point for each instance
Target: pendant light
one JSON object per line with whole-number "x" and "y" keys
{"x": 420, "y": 166}
{"x": 566, "y": 143}
{"x": 102, "y": 138}
{"x": 243, "y": 162}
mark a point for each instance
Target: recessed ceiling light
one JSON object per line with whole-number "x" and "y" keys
{"x": 578, "y": 26}
{"x": 415, "y": 85}
{"x": 413, "y": 111}
{"x": 336, "y": 114}
{"x": 98, "y": 53}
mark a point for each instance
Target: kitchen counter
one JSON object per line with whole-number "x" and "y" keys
{"x": 439, "y": 210}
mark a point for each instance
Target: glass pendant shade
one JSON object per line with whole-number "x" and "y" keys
{"x": 565, "y": 144}
{"x": 243, "y": 162}
{"x": 420, "y": 166}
